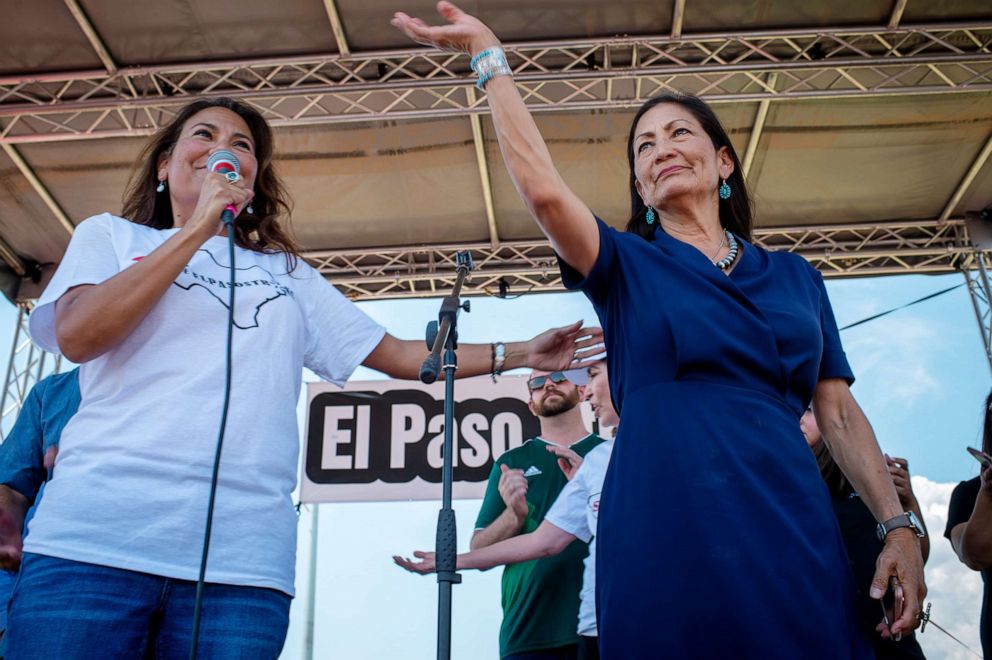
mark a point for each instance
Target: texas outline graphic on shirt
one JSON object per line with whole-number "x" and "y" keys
{"x": 241, "y": 313}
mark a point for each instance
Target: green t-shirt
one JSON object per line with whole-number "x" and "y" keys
{"x": 540, "y": 597}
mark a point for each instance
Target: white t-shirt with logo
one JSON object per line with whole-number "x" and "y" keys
{"x": 576, "y": 511}
{"x": 132, "y": 477}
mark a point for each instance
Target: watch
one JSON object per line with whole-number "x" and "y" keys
{"x": 907, "y": 519}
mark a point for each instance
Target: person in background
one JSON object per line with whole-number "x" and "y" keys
{"x": 858, "y": 528}
{"x": 27, "y": 461}
{"x": 969, "y": 527}
{"x": 540, "y": 598}
{"x": 572, "y": 516}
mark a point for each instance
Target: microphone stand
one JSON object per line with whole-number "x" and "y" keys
{"x": 443, "y": 335}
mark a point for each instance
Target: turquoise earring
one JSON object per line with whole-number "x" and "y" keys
{"x": 649, "y": 216}
{"x": 161, "y": 186}
{"x": 724, "y": 190}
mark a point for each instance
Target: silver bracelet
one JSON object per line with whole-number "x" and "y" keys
{"x": 499, "y": 358}
{"x": 490, "y": 63}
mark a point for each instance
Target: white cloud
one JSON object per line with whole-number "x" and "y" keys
{"x": 955, "y": 591}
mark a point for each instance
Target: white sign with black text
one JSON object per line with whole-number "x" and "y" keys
{"x": 382, "y": 440}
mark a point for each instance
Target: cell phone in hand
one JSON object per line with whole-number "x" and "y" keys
{"x": 892, "y": 605}
{"x": 981, "y": 457}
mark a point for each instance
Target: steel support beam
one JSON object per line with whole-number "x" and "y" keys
{"x": 39, "y": 187}
{"x": 969, "y": 177}
{"x": 337, "y": 27}
{"x": 91, "y": 35}
{"x": 977, "y": 277}
{"x": 480, "y": 157}
{"x": 27, "y": 365}
{"x": 896, "y": 16}
{"x": 565, "y": 75}
{"x": 678, "y": 19}
{"x": 11, "y": 259}
{"x": 756, "y": 129}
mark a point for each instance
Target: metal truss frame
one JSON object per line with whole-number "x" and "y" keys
{"x": 27, "y": 365}
{"x": 977, "y": 275}
{"x": 977, "y": 270}
{"x": 851, "y": 250}
{"x": 552, "y": 76}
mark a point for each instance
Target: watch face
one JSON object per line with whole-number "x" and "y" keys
{"x": 914, "y": 522}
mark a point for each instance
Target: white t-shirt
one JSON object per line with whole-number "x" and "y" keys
{"x": 576, "y": 511}
{"x": 133, "y": 471}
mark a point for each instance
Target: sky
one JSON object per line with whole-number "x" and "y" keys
{"x": 921, "y": 379}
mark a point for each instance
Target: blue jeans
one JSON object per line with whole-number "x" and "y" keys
{"x": 67, "y": 609}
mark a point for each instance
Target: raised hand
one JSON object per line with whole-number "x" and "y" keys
{"x": 568, "y": 460}
{"x": 423, "y": 567}
{"x": 899, "y": 471}
{"x": 463, "y": 33}
{"x": 513, "y": 490}
{"x": 568, "y": 347}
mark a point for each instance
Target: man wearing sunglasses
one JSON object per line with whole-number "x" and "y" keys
{"x": 540, "y": 597}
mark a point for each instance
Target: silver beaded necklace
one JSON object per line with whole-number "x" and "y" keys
{"x": 731, "y": 240}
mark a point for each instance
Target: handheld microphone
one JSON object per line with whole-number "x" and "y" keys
{"x": 226, "y": 163}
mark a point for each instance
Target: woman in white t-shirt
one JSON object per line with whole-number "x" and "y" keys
{"x": 113, "y": 553}
{"x": 573, "y": 516}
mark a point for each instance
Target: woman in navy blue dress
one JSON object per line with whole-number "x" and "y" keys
{"x": 716, "y": 536}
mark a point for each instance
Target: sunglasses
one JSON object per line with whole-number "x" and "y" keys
{"x": 537, "y": 382}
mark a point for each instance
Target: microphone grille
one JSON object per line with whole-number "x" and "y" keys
{"x": 223, "y": 161}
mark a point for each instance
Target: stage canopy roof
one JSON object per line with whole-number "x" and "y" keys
{"x": 865, "y": 126}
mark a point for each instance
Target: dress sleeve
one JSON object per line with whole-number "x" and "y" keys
{"x": 568, "y": 513}
{"x": 963, "y": 499}
{"x": 492, "y": 502}
{"x": 596, "y": 284}
{"x": 833, "y": 362}
{"x": 21, "y": 454}
{"x": 89, "y": 259}
{"x": 339, "y": 335}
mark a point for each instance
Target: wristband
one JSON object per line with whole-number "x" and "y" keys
{"x": 499, "y": 358}
{"x": 489, "y": 64}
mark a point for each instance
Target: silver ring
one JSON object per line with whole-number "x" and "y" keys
{"x": 232, "y": 176}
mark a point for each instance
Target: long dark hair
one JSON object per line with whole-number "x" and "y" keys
{"x": 735, "y": 213}
{"x": 261, "y": 231}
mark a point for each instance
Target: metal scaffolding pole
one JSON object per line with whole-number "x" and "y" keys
{"x": 980, "y": 293}
{"x": 26, "y": 366}
{"x": 975, "y": 268}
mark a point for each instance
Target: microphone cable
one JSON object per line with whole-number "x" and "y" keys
{"x": 228, "y": 218}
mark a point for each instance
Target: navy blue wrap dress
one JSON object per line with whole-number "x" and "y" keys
{"x": 716, "y": 535}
